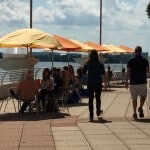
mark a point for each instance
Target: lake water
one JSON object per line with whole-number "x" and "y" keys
{"x": 41, "y": 65}
{"x": 55, "y": 64}
{"x": 114, "y": 67}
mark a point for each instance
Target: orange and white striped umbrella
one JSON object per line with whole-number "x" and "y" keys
{"x": 113, "y": 49}
{"x": 127, "y": 49}
{"x": 96, "y": 46}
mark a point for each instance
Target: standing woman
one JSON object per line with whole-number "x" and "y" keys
{"x": 96, "y": 73}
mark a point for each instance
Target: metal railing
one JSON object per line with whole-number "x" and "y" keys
{"x": 15, "y": 76}
{"x": 12, "y": 76}
{"x": 9, "y": 79}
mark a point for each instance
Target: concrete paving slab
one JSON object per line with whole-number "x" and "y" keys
{"x": 72, "y": 143}
{"x": 9, "y": 143}
{"x": 37, "y": 132}
{"x": 94, "y": 128}
{"x": 74, "y": 148}
{"x": 129, "y": 136}
{"x": 65, "y": 129}
{"x": 98, "y": 142}
{"x": 142, "y": 141}
{"x": 70, "y": 131}
{"x": 37, "y": 138}
{"x": 110, "y": 147}
{"x": 68, "y": 135}
{"x": 37, "y": 148}
{"x": 32, "y": 143}
{"x": 8, "y": 148}
{"x": 139, "y": 147}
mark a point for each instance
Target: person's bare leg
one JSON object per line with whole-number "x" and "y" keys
{"x": 140, "y": 109}
{"x": 142, "y": 101}
{"x": 134, "y": 103}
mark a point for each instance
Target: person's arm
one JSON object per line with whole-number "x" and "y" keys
{"x": 127, "y": 78}
{"x": 85, "y": 69}
{"x": 147, "y": 69}
{"x": 103, "y": 74}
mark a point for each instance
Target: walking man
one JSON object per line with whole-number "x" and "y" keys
{"x": 96, "y": 72}
{"x": 137, "y": 69}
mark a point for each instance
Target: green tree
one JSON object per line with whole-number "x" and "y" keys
{"x": 148, "y": 10}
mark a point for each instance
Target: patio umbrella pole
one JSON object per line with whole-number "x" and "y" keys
{"x": 122, "y": 66}
{"x": 108, "y": 60}
{"x": 27, "y": 57}
{"x": 52, "y": 62}
{"x": 122, "y": 60}
{"x": 68, "y": 58}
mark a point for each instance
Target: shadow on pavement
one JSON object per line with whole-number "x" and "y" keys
{"x": 78, "y": 104}
{"x": 109, "y": 90}
{"x": 101, "y": 120}
{"x": 32, "y": 116}
{"x": 145, "y": 120}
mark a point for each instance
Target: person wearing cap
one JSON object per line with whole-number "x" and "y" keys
{"x": 137, "y": 69}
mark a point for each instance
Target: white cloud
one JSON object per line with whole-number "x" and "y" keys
{"x": 68, "y": 12}
{"x": 42, "y": 15}
{"x": 13, "y": 11}
{"x": 124, "y": 21}
{"x": 75, "y": 7}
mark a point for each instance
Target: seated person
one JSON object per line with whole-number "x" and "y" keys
{"x": 57, "y": 80}
{"x": 123, "y": 70}
{"x": 109, "y": 75}
{"x": 71, "y": 74}
{"x": 47, "y": 86}
{"x": 64, "y": 74}
{"x": 109, "y": 72}
{"x": 80, "y": 74}
{"x": 26, "y": 90}
{"x": 123, "y": 74}
{"x": 76, "y": 90}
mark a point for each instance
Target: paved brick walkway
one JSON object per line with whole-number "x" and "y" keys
{"x": 73, "y": 131}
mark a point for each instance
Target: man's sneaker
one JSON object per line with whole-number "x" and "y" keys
{"x": 99, "y": 113}
{"x": 135, "y": 116}
{"x": 141, "y": 114}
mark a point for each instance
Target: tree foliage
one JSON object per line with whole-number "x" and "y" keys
{"x": 148, "y": 10}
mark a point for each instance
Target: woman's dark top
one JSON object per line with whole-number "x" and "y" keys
{"x": 95, "y": 70}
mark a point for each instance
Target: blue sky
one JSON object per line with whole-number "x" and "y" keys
{"x": 124, "y": 22}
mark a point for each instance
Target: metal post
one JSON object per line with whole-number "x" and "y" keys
{"x": 30, "y": 21}
{"x": 30, "y": 13}
{"x": 68, "y": 57}
{"x": 100, "y": 38}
